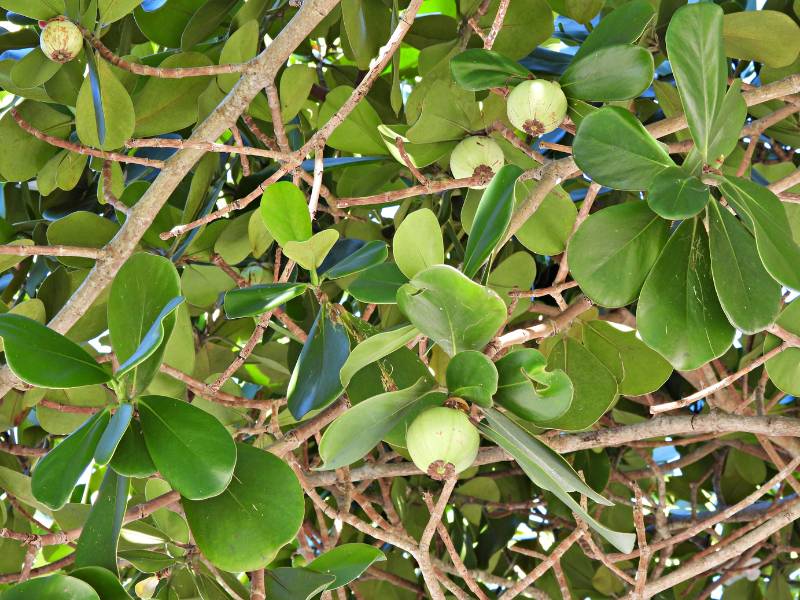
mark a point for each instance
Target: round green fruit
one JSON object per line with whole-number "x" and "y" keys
{"x": 61, "y": 40}
{"x": 537, "y": 107}
{"x": 442, "y": 440}
{"x": 476, "y": 155}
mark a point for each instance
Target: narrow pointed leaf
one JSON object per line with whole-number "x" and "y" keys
{"x": 151, "y": 340}
{"x": 117, "y": 426}
{"x": 375, "y": 348}
{"x": 346, "y": 562}
{"x": 97, "y": 545}
{"x": 369, "y": 255}
{"x": 258, "y": 299}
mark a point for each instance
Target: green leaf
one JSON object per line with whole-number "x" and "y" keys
{"x": 353, "y": 434}
{"x": 104, "y": 582}
{"x": 529, "y": 390}
{"x": 724, "y": 135}
{"x": 455, "y": 312}
{"x": 549, "y": 471}
{"x": 547, "y": 230}
{"x": 784, "y": 369}
{"x": 358, "y": 133}
{"x": 346, "y": 562}
{"x": 205, "y": 21}
{"x": 21, "y": 154}
{"x": 131, "y": 457}
{"x": 113, "y": 434}
{"x": 369, "y": 255}
{"x": 290, "y": 583}
{"x": 421, "y": 155}
{"x": 254, "y": 300}
{"x": 97, "y": 545}
{"x": 613, "y": 131}
{"x": 258, "y": 513}
{"x": 776, "y": 246}
{"x": 418, "y": 243}
{"x": 81, "y": 228}
{"x": 191, "y": 448}
{"x": 623, "y": 25}
{"x": 366, "y": 26}
{"x": 766, "y": 36}
{"x": 315, "y": 379}
{"x": 310, "y": 253}
{"x": 62, "y": 587}
{"x": 240, "y": 47}
{"x": 117, "y": 109}
{"x": 528, "y": 23}
{"x": 285, "y": 212}
{"x": 375, "y": 348}
{"x": 491, "y": 219}
{"x": 679, "y": 315}
{"x": 295, "y": 85}
{"x": 696, "y": 31}
{"x": 378, "y": 284}
{"x": 472, "y": 376}
{"x": 144, "y": 294}
{"x": 478, "y": 69}
{"x": 609, "y": 74}
{"x": 114, "y": 10}
{"x": 152, "y": 339}
{"x": 58, "y": 472}
{"x": 613, "y": 251}
{"x": 40, "y": 356}
{"x": 749, "y": 296}
{"x": 33, "y": 69}
{"x": 675, "y": 194}
{"x": 35, "y": 9}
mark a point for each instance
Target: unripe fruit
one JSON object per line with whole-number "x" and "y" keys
{"x": 476, "y": 155}
{"x": 537, "y": 107}
{"x": 440, "y": 437}
{"x": 61, "y": 41}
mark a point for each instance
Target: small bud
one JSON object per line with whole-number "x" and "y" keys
{"x": 61, "y": 40}
{"x": 537, "y": 107}
{"x": 476, "y": 155}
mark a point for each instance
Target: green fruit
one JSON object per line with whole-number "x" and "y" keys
{"x": 440, "y": 437}
{"x": 61, "y": 40}
{"x": 476, "y": 155}
{"x": 537, "y": 107}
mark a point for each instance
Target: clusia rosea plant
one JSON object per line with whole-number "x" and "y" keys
{"x": 399, "y": 299}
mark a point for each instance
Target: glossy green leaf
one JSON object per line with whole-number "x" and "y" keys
{"x": 315, "y": 379}
{"x": 747, "y": 293}
{"x": 766, "y": 36}
{"x": 776, "y": 246}
{"x": 679, "y": 314}
{"x": 240, "y": 47}
{"x": 104, "y": 582}
{"x": 613, "y": 251}
{"x": 264, "y": 501}
{"x": 547, "y": 230}
{"x": 529, "y": 390}
{"x": 34, "y": 9}
{"x": 191, "y": 448}
{"x": 455, "y": 312}
{"x": 609, "y": 74}
{"x": 478, "y": 69}
{"x": 21, "y": 154}
{"x": 117, "y": 107}
{"x": 527, "y": 24}
{"x": 358, "y": 133}
{"x": 613, "y": 131}
{"x": 40, "y": 356}
{"x": 292, "y": 583}
{"x": 375, "y": 348}
{"x": 58, "y": 586}
{"x": 418, "y": 243}
{"x": 205, "y": 21}
{"x": 623, "y": 25}
{"x": 353, "y": 434}
{"x": 58, "y": 472}
{"x": 696, "y": 31}
{"x": 285, "y": 212}
{"x": 81, "y": 228}
{"x": 131, "y": 457}
{"x": 254, "y": 300}
{"x": 784, "y": 369}
{"x": 675, "y": 194}
{"x": 150, "y": 284}
{"x": 97, "y": 545}
{"x": 491, "y": 219}
{"x": 369, "y": 255}
{"x": 117, "y": 426}
{"x": 378, "y": 285}
{"x": 295, "y": 85}
{"x": 724, "y": 134}
{"x": 33, "y": 69}
{"x": 366, "y": 25}
{"x": 472, "y": 376}
{"x": 346, "y": 562}
{"x": 114, "y": 10}
{"x": 310, "y": 253}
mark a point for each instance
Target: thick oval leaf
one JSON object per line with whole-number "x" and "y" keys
{"x": 310, "y": 253}
{"x": 529, "y": 390}
{"x": 104, "y": 582}
{"x": 472, "y": 375}
{"x": 418, "y": 242}
{"x": 81, "y": 228}
{"x": 40, "y": 356}
{"x": 675, "y": 194}
{"x": 260, "y": 511}
{"x": 293, "y": 583}
{"x": 478, "y": 69}
{"x": 114, "y": 10}
{"x": 113, "y": 434}
{"x": 346, "y": 562}
{"x": 378, "y": 285}
{"x": 750, "y": 298}
{"x": 62, "y": 587}
{"x": 375, "y": 348}
{"x": 191, "y": 448}
{"x": 776, "y": 246}
{"x": 623, "y": 25}
{"x": 491, "y": 219}
{"x": 285, "y": 212}
{"x": 33, "y": 69}
{"x": 452, "y": 310}
{"x": 240, "y": 47}
{"x": 117, "y": 111}
{"x": 315, "y": 379}
{"x": 613, "y": 131}
{"x": 56, "y": 474}
{"x": 679, "y": 314}
{"x": 97, "y": 545}
{"x": 257, "y": 299}
{"x": 547, "y": 230}
{"x": 356, "y": 432}
{"x": 369, "y": 255}
{"x": 609, "y": 74}
{"x": 152, "y": 339}
{"x": 767, "y": 36}
{"x": 131, "y": 457}
{"x": 613, "y": 251}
